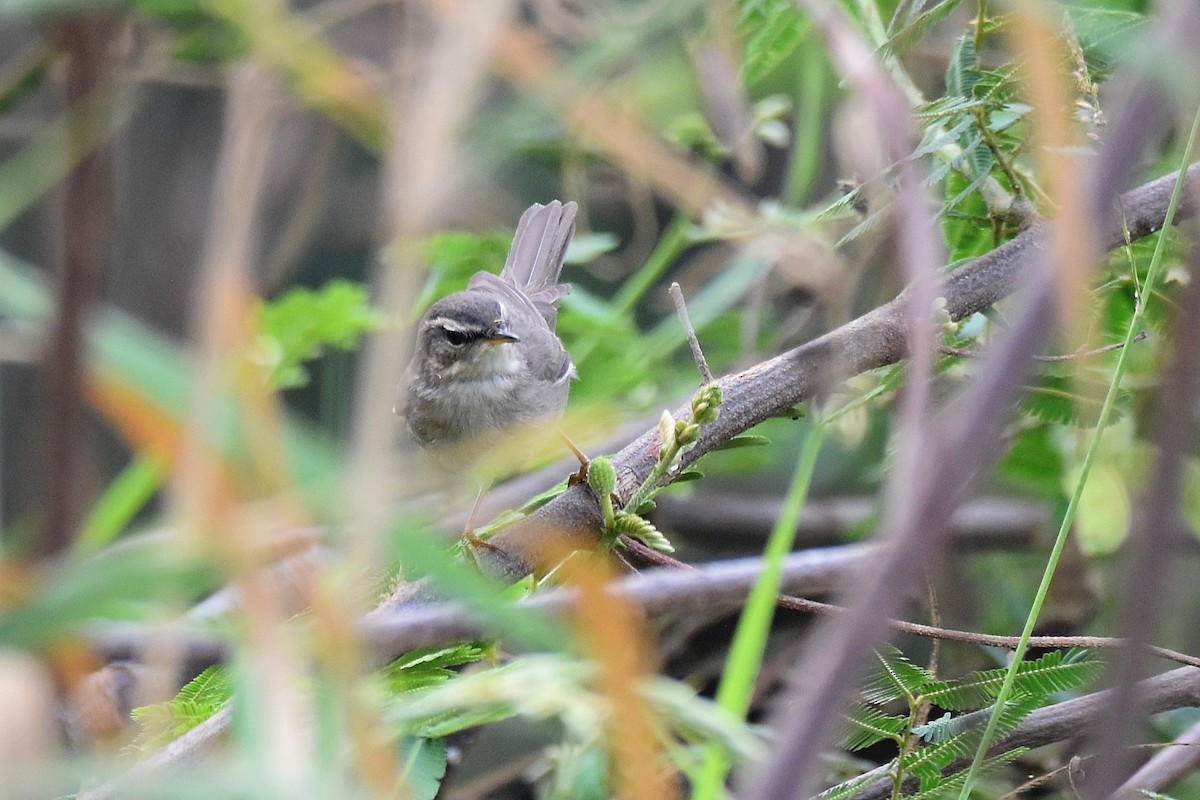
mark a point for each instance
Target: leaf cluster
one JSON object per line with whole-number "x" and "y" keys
{"x": 925, "y": 750}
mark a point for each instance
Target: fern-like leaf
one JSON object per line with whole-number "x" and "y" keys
{"x": 1051, "y": 673}
{"x": 962, "y": 73}
{"x": 429, "y": 666}
{"x": 1056, "y": 398}
{"x": 914, "y": 31}
{"x": 771, "y": 31}
{"x": 866, "y": 725}
{"x": 963, "y": 730}
{"x": 952, "y": 783}
{"x": 897, "y": 678}
{"x": 203, "y": 696}
{"x": 847, "y": 789}
{"x": 927, "y": 763}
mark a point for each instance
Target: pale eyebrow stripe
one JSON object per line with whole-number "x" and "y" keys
{"x": 448, "y": 324}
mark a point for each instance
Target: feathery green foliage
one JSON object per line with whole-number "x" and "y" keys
{"x": 202, "y": 696}
{"x": 954, "y": 736}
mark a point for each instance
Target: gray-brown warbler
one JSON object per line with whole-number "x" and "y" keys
{"x": 488, "y": 370}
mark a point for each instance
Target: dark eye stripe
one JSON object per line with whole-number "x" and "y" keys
{"x": 458, "y": 338}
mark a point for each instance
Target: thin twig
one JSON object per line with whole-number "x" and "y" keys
{"x": 935, "y": 619}
{"x": 962, "y": 352}
{"x": 991, "y": 640}
{"x": 693, "y": 342}
{"x": 937, "y": 632}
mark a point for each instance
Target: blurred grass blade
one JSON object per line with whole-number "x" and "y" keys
{"x": 120, "y": 503}
{"x": 750, "y": 638}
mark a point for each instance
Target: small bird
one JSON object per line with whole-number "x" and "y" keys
{"x": 488, "y": 372}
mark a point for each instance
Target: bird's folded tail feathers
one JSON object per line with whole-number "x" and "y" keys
{"x": 536, "y": 258}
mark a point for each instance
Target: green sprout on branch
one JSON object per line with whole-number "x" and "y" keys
{"x": 676, "y": 437}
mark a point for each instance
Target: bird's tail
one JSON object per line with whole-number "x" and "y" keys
{"x": 536, "y": 258}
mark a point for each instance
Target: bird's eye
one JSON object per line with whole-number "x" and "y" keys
{"x": 456, "y": 338}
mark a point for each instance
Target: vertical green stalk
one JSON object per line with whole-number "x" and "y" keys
{"x": 750, "y": 638}
{"x": 980, "y": 19}
{"x": 1069, "y": 516}
{"x": 809, "y": 136}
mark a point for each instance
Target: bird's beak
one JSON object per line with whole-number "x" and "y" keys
{"x": 501, "y": 335}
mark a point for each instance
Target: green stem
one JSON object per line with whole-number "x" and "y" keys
{"x": 1069, "y": 516}
{"x": 645, "y": 493}
{"x": 906, "y": 744}
{"x": 979, "y": 20}
{"x": 813, "y": 77}
{"x": 989, "y": 139}
{"x": 750, "y": 638}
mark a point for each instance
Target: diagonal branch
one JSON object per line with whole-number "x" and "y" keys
{"x": 873, "y": 340}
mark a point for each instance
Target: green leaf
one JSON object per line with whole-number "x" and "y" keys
{"x": 427, "y": 666}
{"x": 928, "y": 762}
{"x": 203, "y": 696}
{"x": 699, "y": 720}
{"x": 1103, "y": 31}
{"x": 586, "y": 247}
{"x": 962, "y": 73}
{"x": 963, "y": 223}
{"x": 953, "y": 783}
{"x": 914, "y": 31}
{"x": 1051, "y": 673}
{"x": 642, "y": 530}
{"x": 422, "y": 555}
{"x": 848, "y": 789}
{"x": 120, "y": 503}
{"x": 897, "y": 678}
{"x": 123, "y": 582}
{"x": 1034, "y": 462}
{"x": 297, "y": 326}
{"x": 1058, "y": 399}
{"x": 771, "y": 30}
{"x": 962, "y": 731}
{"x": 422, "y": 765}
{"x": 866, "y": 726}
{"x": 578, "y": 772}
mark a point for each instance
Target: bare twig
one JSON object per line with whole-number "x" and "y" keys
{"x": 991, "y": 640}
{"x": 693, "y": 342}
{"x": 962, "y": 352}
{"x": 1166, "y": 767}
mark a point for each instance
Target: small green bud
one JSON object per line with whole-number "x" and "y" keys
{"x": 687, "y": 434}
{"x": 601, "y": 476}
{"x": 666, "y": 433}
{"x": 706, "y": 404}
